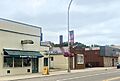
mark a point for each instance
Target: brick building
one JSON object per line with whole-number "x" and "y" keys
{"x": 103, "y": 56}
{"x": 93, "y": 58}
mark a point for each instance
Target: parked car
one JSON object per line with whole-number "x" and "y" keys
{"x": 118, "y": 65}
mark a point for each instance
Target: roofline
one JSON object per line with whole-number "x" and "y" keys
{"x": 20, "y": 23}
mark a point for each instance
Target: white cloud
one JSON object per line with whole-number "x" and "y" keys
{"x": 95, "y": 21}
{"x": 97, "y": 7}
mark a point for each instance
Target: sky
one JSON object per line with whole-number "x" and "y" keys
{"x": 93, "y": 21}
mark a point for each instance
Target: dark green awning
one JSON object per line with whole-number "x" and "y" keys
{"x": 22, "y": 53}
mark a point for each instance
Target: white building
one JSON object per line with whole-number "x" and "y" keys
{"x": 19, "y": 48}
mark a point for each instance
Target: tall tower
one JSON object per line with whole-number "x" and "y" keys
{"x": 61, "y": 40}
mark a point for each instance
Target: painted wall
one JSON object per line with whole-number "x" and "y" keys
{"x": 9, "y": 39}
{"x": 107, "y": 61}
{"x": 15, "y": 71}
{"x": 29, "y": 29}
{"x": 40, "y": 63}
{"x": 12, "y": 40}
{"x": 59, "y": 61}
{"x": 110, "y": 61}
{"x": 93, "y": 57}
{"x": 119, "y": 59}
{"x": 109, "y": 51}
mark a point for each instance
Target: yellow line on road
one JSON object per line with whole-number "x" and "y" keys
{"x": 115, "y": 78}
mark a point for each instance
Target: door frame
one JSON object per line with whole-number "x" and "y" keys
{"x": 35, "y": 65}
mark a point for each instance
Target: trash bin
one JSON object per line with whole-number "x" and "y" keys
{"x": 45, "y": 71}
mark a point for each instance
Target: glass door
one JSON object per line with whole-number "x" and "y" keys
{"x": 35, "y": 65}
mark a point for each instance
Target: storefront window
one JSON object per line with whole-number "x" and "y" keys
{"x": 26, "y": 62}
{"x": 80, "y": 59}
{"x": 8, "y": 61}
{"x": 18, "y": 62}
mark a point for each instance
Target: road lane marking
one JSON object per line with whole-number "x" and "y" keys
{"x": 67, "y": 79}
{"x": 115, "y": 78}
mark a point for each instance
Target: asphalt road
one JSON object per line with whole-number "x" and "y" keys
{"x": 101, "y": 75}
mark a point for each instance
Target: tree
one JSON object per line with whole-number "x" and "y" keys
{"x": 77, "y": 44}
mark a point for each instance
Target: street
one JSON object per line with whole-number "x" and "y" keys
{"x": 101, "y": 75}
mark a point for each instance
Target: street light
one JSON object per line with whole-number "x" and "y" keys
{"x": 68, "y": 36}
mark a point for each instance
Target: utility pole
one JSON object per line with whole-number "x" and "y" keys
{"x": 68, "y": 36}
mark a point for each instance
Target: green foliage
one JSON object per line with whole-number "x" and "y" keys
{"x": 58, "y": 45}
{"x": 80, "y": 45}
{"x": 95, "y": 45}
{"x": 75, "y": 44}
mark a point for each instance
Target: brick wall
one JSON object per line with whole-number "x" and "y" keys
{"x": 93, "y": 57}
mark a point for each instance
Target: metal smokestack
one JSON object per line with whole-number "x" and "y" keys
{"x": 61, "y": 40}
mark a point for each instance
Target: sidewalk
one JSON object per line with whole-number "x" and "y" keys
{"x": 16, "y": 77}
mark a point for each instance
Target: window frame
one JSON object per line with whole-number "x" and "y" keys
{"x": 80, "y": 59}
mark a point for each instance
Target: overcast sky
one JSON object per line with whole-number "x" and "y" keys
{"x": 93, "y": 21}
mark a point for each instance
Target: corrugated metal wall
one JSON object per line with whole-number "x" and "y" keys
{"x": 108, "y": 51}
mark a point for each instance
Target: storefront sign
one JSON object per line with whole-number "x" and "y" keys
{"x": 27, "y": 42}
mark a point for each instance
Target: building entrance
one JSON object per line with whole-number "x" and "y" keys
{"x": 35, "y": 65}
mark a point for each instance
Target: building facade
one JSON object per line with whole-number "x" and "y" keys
{"x": 57, "y": 59}
{"x": 19, "y": 48}
{"x": 103, "y": 56}
{"x": 84, "y": 57}
{"x": 110, "y": 55}
{"x": 77, "y": 61}
{"x": 93, "y": 58}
